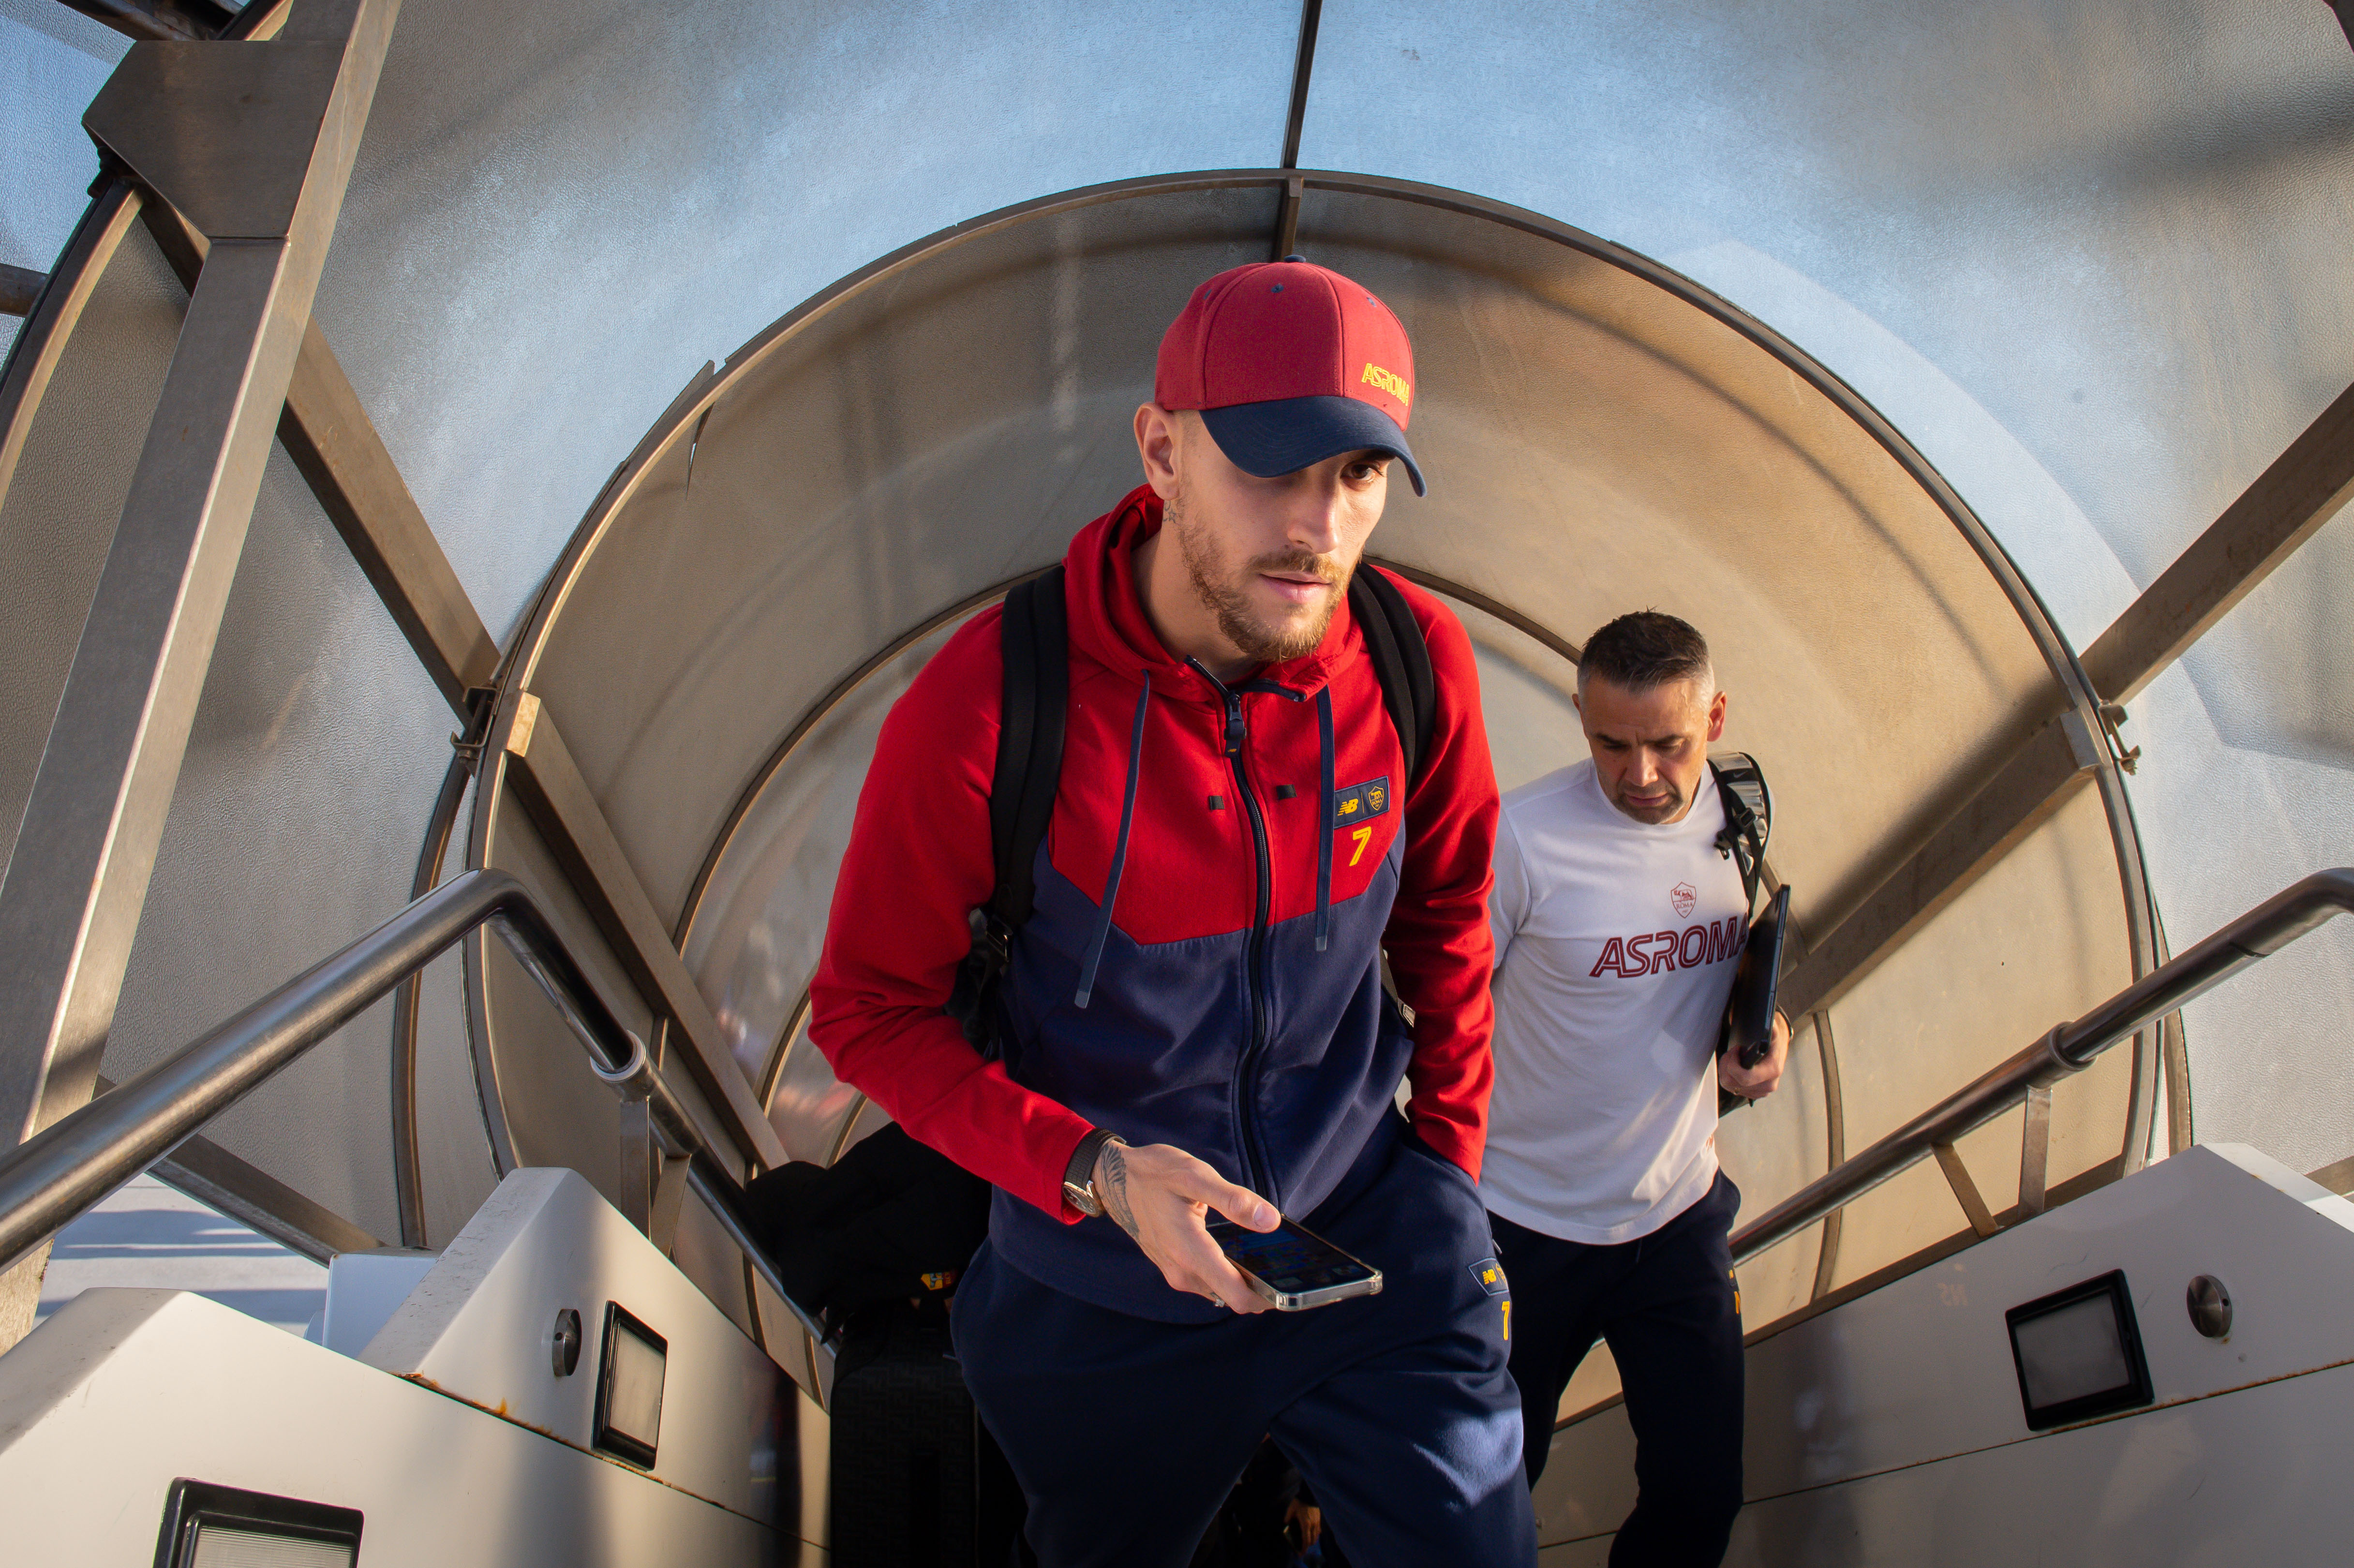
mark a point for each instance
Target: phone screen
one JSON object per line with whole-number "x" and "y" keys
{"x": 1287, "y": 1258}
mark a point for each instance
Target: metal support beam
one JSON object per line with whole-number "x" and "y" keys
{"x": 41, "y": 341}
{"x": 1835, "y": 1116}
{"x": 2035, "y": 1150}
{"x": 2303, "y": 489}
{"x": 331, "y": 439}
{"x": 1966, "y": 1192}
{"x": 641, "y": 1158}
{"x": 668, "y": 1202}
{"x": 1286, "y": 222}
{"x": 565, "y": 810}
{"x": 1303, "y": 67}
{"x": 184, "y": 21}
{"x": 2338, "y": 1176}
{"x": 221, "y": 1182}
{"x": 227, "y": 1185}
{"x": 338, "y": 451}
{"x": 20, "y": 287}
{"x": 2060, "y": 759}
{"x": 254, "y": 143}
{"x": 340, "y": 455}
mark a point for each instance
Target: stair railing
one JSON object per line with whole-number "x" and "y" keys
{"x": 59, "y": 1172}
{"x": 2068, "y": 1049}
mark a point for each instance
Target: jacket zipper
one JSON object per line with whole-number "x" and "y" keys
{"x": 1255, "y": 969}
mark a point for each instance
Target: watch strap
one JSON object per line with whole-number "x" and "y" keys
{"x": 1079, "y": 1175}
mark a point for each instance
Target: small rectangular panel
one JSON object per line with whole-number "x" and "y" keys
{"x": 630, "y": 1388}
{"x": 209, "y": 1526}
{"x": 2078, "y": 1352}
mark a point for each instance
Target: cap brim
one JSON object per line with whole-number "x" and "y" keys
{"x": 1291, "y": 433}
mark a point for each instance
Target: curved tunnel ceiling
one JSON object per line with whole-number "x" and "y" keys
{"x": 2091, "y": 261}
{"x": 1600, "y": 436}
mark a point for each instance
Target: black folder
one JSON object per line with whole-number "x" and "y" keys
{"x": 1749, "y": 1020}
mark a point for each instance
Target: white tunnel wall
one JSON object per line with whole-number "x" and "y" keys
{"x": 560, "y": 213}
{"x": 1975, "y": 216}
{"x": 2090, "y": 259}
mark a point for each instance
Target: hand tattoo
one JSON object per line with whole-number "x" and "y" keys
{"x": 1112, "y": 1186}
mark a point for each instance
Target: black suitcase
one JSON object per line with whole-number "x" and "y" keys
{"x": 917, "y": 1479}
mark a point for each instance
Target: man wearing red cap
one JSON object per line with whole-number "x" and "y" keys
{"x": 1193, "y": 1016}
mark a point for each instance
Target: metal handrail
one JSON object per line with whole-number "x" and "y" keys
{"x": 55, "y": 1176}
{"x": 2070, "y": 1048}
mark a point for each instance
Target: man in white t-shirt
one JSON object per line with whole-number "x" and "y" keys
{"x": 1619, "y": 917}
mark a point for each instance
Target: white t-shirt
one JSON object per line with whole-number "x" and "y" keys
{"x": 1616, "y": 944}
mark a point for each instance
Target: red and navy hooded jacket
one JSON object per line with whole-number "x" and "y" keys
{"x": 1225, "y": 868}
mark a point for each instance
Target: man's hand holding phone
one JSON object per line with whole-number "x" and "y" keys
{"x": 1162, "y": 1196}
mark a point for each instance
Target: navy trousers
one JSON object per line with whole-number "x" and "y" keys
{"x": 1127, "y": 1433}
{"x": 1667, "y": 1304}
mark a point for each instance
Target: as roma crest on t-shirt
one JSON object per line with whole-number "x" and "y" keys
{"x": 1684, "y": 896}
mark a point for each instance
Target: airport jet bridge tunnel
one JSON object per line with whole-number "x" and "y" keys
{"x": 490, "y": 469}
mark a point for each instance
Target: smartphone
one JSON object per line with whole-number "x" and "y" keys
{"x": 1293, "y": 1267}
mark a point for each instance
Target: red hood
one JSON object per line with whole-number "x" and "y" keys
{"x": 1109, "y": 624}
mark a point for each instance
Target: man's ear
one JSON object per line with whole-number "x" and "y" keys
{"x": 1716, "y": 718}
{"x": 1157, "y": 442}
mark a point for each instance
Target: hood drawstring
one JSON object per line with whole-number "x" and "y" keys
{"x": 1324, "y": 822}
{"x": 1128, "y": 815}
{"x": 1119, "y": 848}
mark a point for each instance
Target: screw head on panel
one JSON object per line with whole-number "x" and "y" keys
{"x": 2210, "y": 1304}
{"x": 567, "y": 1345}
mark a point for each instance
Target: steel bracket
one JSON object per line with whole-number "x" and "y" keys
{"x": 2035, "y": 1152}
{"x": 227, "y": 132}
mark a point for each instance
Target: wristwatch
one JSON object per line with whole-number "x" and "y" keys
{"x": 1079, "y": 1175}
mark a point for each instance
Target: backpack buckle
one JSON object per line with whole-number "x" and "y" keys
{"x": 992, "y": 939}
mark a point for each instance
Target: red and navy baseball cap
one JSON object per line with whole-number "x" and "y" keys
{"x": 1289, "y": 363}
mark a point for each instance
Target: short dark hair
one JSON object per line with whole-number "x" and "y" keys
{"x": 1643, "y": 649}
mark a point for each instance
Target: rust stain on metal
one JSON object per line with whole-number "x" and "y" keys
{"x": 500, "y": 1411}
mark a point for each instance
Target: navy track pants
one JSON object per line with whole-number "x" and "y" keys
{"x": 1668, "y": 1305}
{"x": 1128, "y": 1434}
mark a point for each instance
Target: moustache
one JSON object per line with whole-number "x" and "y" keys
{"x": 1322, "y": 568}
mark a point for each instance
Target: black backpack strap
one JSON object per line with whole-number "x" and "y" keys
{"x": 1401, "y": 661}
{"x": 1034, "y": 638}
{"x": 1748, "y": 816}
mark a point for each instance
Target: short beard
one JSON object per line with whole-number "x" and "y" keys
{"x": 1228, "y": 603}
{"x": 1665, "y": 813}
